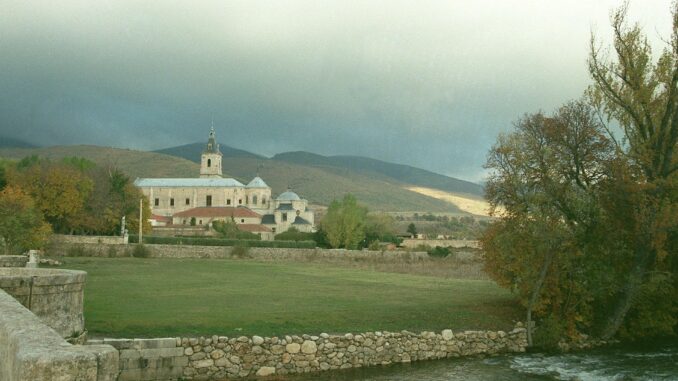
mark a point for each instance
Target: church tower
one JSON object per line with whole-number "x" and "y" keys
{"x": 210, "y": 161}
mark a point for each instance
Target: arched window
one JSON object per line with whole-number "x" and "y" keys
{"x": 254, "y": 200}
{"x": 209, "y": 163}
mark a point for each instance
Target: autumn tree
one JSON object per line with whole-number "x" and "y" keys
{"x": 640, "y": 95}
{"x": 22, "y": 226}
{"x": 543, "y": 180}
{"x": 344, "y": 223}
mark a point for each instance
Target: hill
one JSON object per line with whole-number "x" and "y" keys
{"x": 318, "y": 185}
{"x": 133, "y": 163}
{"x": 192, "y": 152}
{"x": 14, "y": 143}
{"x": 373, "y": 167}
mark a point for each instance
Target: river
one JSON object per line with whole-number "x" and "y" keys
{"x": 610, "y": 364}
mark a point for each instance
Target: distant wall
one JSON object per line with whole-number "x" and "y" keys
{"x": 456, "y": 243}
{"x": 30, "y": 350}
{"x": 87, "y": 239}
{"x": 13, "y": 260}
{"x": 259, "y": 253}
{"x": 54, "y": 295}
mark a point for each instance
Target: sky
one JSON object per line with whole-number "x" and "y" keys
{"x": 424, "y": 83}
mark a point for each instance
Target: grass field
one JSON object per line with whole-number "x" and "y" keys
{"x": 129, "y": 297}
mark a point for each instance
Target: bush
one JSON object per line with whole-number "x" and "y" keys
{"x": 202, "y": 241}
{"x": 294, "y": 235}
{"x": 548, "y": 333}
{"x": 241, "y": 250}
{"x": 440, "y": 252}
{"x": 140, "y": 251}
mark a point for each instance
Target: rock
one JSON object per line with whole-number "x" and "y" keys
{"x": 277, "y": 349}
{"x": 188, "y": 351}
{"x": 293, "y": 348}
{"x": 265, "y": 371}
{"x": 448, "y": 334}
{"x": 203, "y": 363}
{"x": 309, "y": 347}
{"x": 217, "y": 354}
{"x": 257, "y": 340}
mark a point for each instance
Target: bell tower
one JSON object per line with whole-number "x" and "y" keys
{"x": 210, "y": 161}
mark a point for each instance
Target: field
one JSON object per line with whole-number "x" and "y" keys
{"x": 137, "y": 297}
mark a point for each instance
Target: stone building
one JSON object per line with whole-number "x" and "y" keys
{"x": 175, "y": 202}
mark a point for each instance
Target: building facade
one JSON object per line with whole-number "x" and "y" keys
{"x": 199, "y": 201}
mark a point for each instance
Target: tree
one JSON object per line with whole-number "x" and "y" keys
{"x": 344, "y": 223}
{"x": 412, "y": 229}
{"x": 642, "y": 97}
{"x": 543, "y": 175}
{"x": 22, "y": 226}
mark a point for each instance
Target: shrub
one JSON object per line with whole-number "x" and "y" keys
{"x": 140, "y": 251}
{"x": 440, "y": 252}
{"x": 294, "y": 235}
{"x": 548, "y": 333}
{"x": 241, "y": 250}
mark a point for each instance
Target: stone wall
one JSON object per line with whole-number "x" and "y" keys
{"x": 148, "y": 359}
{"x": 455, "y": 243}
{"x": 219, "y": 357}
{"x": 259, "y": 253}
{"x": 89, "y": 239}
{"x": 30, "y": 351}
{"x": 54, "y": 295}
{"x": 13, "y": 260}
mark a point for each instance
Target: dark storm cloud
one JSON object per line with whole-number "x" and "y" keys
{"x": 424, "y": 83}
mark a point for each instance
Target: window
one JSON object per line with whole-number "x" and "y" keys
{"x": 208, "y": 201}
{"x": 228, "y": 201}
{"x": 242, "y": 220}
{"x": 247, "y": 200}
{"x": 209, "y": 163}
{"x": 254, "y": 200}
{"x": 240, "y": 201}
{"x": 200, "y": 223}
{"x": 263, "y": 201}
{"x": 171, "y": 202}
{"x": 157, "y": 202}
{"x": 183, "y": 222}
{"x": 284, "y": 217}
{"x": 188, "y": 201}
{"x": 273, "y": 229}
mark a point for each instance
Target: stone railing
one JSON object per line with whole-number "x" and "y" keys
{"x": 30, "y": 350}
{"x": 54, "y": 295}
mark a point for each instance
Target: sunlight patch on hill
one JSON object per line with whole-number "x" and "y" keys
{"x": 468, "y": 204}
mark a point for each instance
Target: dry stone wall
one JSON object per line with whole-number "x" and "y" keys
{"x": 220, "y": 357}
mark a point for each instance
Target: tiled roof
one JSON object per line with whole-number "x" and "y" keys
{"x": 220, "y": 211}
{"x": 268, "y": 219}
{"x": 253, "y": 228}
{"x": 161, "y": 218}
{"x": 300, "y": 221}
{"x": 197, "y": 182}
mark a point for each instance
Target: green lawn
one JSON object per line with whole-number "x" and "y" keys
{"x": 128, "y": 297}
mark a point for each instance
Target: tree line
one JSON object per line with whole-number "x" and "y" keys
{"x": 71, "y": 196}
{"x": 588, "y": 228}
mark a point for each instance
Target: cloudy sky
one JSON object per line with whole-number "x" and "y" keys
{"x": 425, "y": 83}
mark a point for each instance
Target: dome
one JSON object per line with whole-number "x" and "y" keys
{"x": 288, "y": 196}
{"x": 257, "y": 182}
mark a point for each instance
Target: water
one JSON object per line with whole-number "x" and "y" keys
{"x": 597, "y": 365}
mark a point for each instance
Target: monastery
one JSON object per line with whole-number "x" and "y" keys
{"x": 199, "y": 201}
